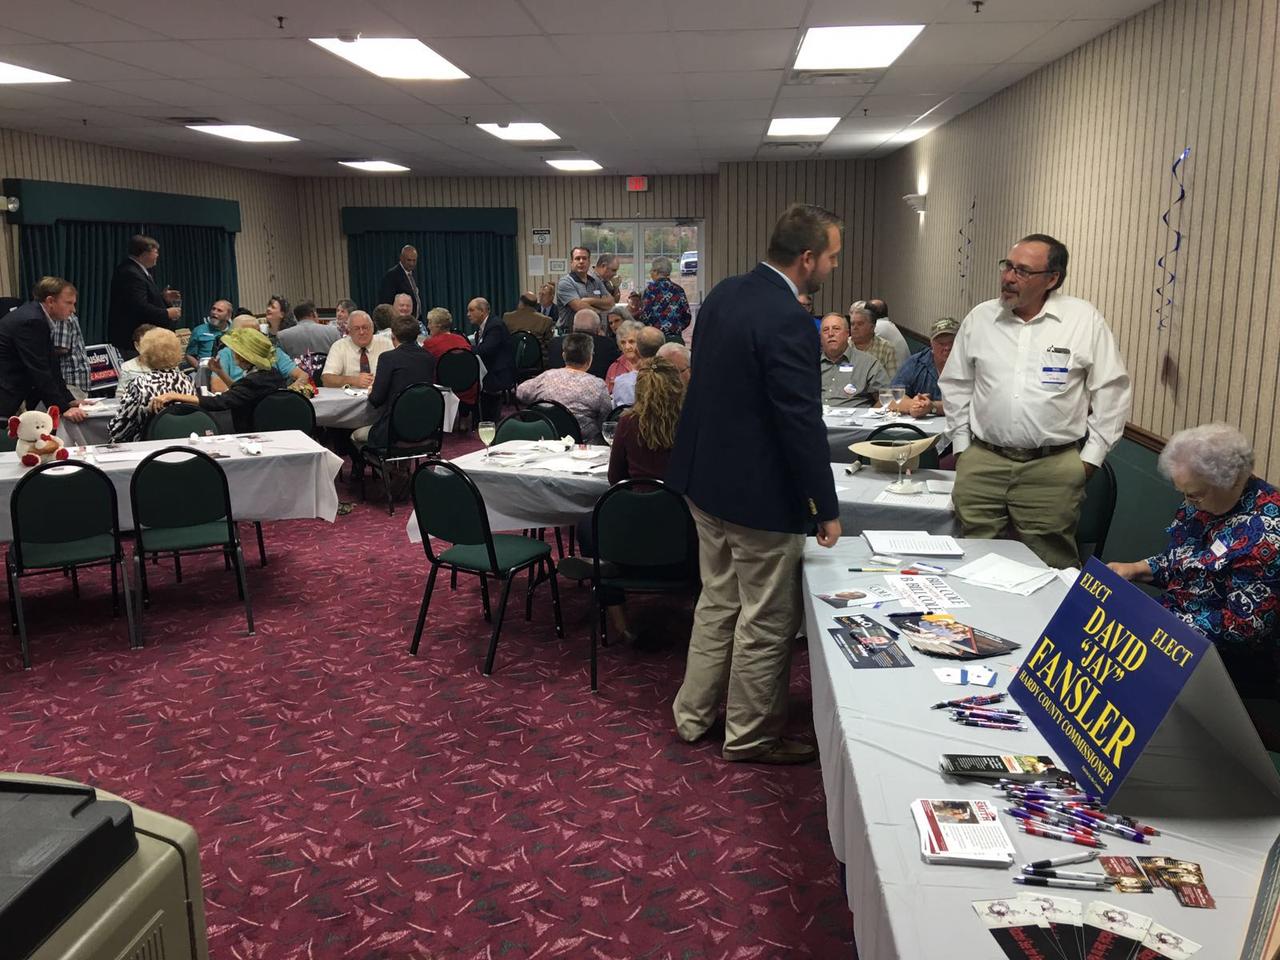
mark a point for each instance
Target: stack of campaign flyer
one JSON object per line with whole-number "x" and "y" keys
{"x": 1017, "y": 768}
{"x": 965, "y": 832}
{"x": 1034, "y": 927}
{"x": 942, "y": 635}
{"x": 867, "y": 643}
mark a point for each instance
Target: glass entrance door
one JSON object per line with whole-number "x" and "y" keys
{"x": 637, "y": 242}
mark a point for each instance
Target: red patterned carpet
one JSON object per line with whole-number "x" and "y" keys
{"x": 353, "y": 801}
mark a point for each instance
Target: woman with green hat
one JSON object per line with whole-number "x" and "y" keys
{"x": 254, "y": 353}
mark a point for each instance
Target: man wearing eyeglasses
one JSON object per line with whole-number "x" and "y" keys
{"x": 1036, "y": 394}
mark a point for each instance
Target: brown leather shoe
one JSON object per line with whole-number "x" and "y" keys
{"x": 783, "y": 752}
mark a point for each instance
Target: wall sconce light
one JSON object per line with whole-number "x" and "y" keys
{"x": 915, "y": 201}
{"x": 12, "y": 204}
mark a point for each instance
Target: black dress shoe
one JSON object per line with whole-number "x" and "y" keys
{"x": 784, "y": 752}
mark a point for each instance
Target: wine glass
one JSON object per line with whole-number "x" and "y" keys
{"x": 901, "y": 454}
{"x": 486, "y": 429}
{"x": 607, "y": 430}
{"x": 886, "y": 397}
{"x": 899, "y": 394}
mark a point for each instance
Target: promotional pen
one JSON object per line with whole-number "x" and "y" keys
{"x": 1121, "y": 821}
{"x": 873, "y": 570}
{"x": 987, "y": 724}
{"x": 987, "y": 715}
{"x": 929, "y": 567}
{"x": 1069, "y": 884}
{"x": 975, "y": 701}
{"x": 1069, "y": 875}
{"x": 1052, "y": 834}
{"x": 1116, "y": 830}
{"x": 1051, "y": 822}
{"x": 1062, "y": 861}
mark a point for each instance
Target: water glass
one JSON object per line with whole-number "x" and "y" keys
{"x": 486, "y": 429}
{"x": 608, "y": 429}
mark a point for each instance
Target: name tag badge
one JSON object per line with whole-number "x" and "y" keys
{"x": 1054, "y": 366}
{"x": 848, "y": 390}
{"x": 1218, "y": 549}
{"x": 846, "y": 368}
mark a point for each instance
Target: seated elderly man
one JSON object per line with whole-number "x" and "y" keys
{"x": 679, "y": 356}
{"x": 850, "y": 377}
{"x": 573, "y": 386}
{"x": 604, "y": 348}
{"x": 862, "y": 331}
{"x": 353, "y": 360}
{"x": 648, "y": 342}
{"x": 1221, "y": 570}
{"x": 919, "y": 375}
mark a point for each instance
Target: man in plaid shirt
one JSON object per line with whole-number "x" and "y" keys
{"x": 68, "y": 348}
{"x": 665, "y": 305}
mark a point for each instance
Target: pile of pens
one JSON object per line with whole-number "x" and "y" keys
{"x": 1046, "y": 873}
{"x": 1059, "y": 810}
{"x": 980, "y": 711}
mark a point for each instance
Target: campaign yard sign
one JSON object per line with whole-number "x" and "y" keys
{"x": 1104, "y": 673}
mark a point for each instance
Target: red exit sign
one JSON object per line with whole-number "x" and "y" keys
{"x": 637, "y": 184}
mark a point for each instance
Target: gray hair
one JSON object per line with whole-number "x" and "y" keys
{"x": 577, "y": 348}
{"x": 484, "y": 304}
{"x": 662, "y": 266}
{"x": 586, "y": 321}
{"x": 623, "y": 311}
{"x": 627, "y": 328}
{"x": 671, "y": 348}
{"x": 348, "y": 305}
{"x": 396, "y": 298}
{"x": 1216, "y": 454}
{"x": 356, "y": 314}
{"x": 439, "y": 318}
{"x": 860, "y": 306}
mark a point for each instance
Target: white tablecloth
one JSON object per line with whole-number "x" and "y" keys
{"x": 859, "y": 511}
{"x": 880, "y": 744}
{"x": 291, "y": 479}
{"x": 846, "y": 425}
{"x": 334, "y": 408}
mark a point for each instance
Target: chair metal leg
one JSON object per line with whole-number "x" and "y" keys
{"x": 559, "y": 544}
{"x": 22, "y": 621}
{"x": 244, "y": 588}
{"x": 226, "y": 560}
{"x": 262, "y": 547}
{"x": 144, "y": 588}
{"x": 598, "y": 594}
{"x": 528, "y": 596}
{"x": 555, "y": 600}
{"x": 13, "y": 610}
{"x": 140, "y": 568}
{"x": 75, "y": 583}
{"x": 115, "y": 593}
{"x": 572, "y": 536}
{"x": 597, "y": 618}
{"x": 135, "y": 637}
{"x": 484, "y": 598}
{"x": 453, "y": 579}
{"x": 177, "y": 567}
{"x": 422, "y": 609}
{"x": 497, "y": 625}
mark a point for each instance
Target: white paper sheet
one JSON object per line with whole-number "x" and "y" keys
{"x": 916, "y": 543}
{"x": 925, "y": 501}
{"x": 940, "y": 486}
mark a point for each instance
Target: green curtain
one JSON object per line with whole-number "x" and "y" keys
{"x": 453, "y": 267}
{"x": 199, "y": 261}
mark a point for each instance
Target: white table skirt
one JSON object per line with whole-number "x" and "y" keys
{"x": 291, "y": 479}
{"x": 846, "y": 425}
{"x": 880, "y": 742}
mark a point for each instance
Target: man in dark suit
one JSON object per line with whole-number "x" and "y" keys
{"x": 605, "y": 349}
{"x": 135, "y": 297}
{"x": 407, "y": 363}
{"x": 28, "y": 371}
{"x": 494, "y": 347}
{"x": 400, "y": 279}
{"x": 751, "y": 457}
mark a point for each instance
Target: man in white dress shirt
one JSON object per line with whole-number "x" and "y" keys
{"x": 1036, "y": 395}
{"x": 353, "y": 360}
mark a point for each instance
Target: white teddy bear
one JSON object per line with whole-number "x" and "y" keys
{"x": 34, "y": 433}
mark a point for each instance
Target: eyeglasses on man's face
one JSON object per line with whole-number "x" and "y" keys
{"x": 1019, "y": 271}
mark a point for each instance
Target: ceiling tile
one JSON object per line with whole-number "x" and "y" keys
{"x": 67, "y": 22}
{"x": 741, "y": 14}
{"x": 736, "y": 50}
{"x": 1104, "y": 9}
{"x": 172, "y": 92}
{"x": 941, "y": 80}
{"x": 355, "y": 90}
{"x": 448, "y": 18}
{"x": 279, "y": 93}
{"x": 412, "y": 111}
{"x": 520, "y": 89}
{"x": 449, "y": 92}
{"x": 168, "y": 57}
{"x": 1000, "y": 76}
{"x": 558, "y": 17}
{"x": 600, "y": 54}
{"x": 506, "y": 56}
{"x": 851, "y": 90}
{"x": 276, "y": 57}
{"x": 839, "y": 13}
{"x": 183, "y": 21}
{"x": 816, "y": 106}
{"x": 732, "y": 86}
{"x": 67, "y": 61}
{"x": 321, "y": 18}
{"x": 1065, "y": 38}
{"x": 729, "y": 109}
{"x": 899, "y": 105}
{"x": 947, "y": 43}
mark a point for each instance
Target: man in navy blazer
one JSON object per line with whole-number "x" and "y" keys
{"x": 494, "y": 347}
{"x": 751, "y": 456}
{"x": 28, "y": 371}
{"x": 401, "y": 279}
{"x": 135, "y": 297}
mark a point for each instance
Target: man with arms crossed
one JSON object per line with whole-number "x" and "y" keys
{"x": 756, "y": 481}
{"x": 1036, "y": 394}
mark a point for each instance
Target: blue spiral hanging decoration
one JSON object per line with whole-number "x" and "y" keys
{"x": 1165, "y": 292}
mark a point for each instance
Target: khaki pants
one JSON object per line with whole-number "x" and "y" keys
{"x": 360, "y": 435}
{"x": 747, "y": 616}
{"x": 1040, "y": 498}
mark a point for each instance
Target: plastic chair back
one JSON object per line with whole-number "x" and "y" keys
{"x": 458, "y": 369}
{"x": 448, "y": 506}
{"x": 528, "y": 354}
{"x": 906, "y": 431}
{"x": 178, "y": 421}
{"x": 417, "y": 416}
{"x": 62, "y": 502}
{"x": 566, "y": 423}
{"x": 525, "y": 425}
{"x": 616, "y": 413}
{"x": 642, "y": 523}
{"x": 1096, "y": 512}
{"x": 284, "y": 410}
{"x": 179, "y": 487}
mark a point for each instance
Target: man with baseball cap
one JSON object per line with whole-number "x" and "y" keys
{"x": 919, "y": 375}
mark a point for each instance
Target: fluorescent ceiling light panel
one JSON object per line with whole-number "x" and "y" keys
{"x": 242, "y": 132}
{"x": 12, "y": 73}
{"x": 374, "y": 166}
{"x": 392, "y": 58}
{"x": 854, "y": 48}
{"x": 519, "y": 131}
{"x": 574, "y": 165}
{"x": 802, "y": 126}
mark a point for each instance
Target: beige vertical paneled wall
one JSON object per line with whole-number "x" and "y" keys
{"x": 751, "y": 196}
{"x": 551, "y": 202}
{"x": 266, "y": 247}
{"x": 1082, "y": 149}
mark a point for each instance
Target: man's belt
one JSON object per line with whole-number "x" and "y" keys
{"x": 1025, "y": 454}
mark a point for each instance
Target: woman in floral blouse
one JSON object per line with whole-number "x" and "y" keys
{"x": 1221, "y": 569}
{"x": 160, "y": 353}
{"x": 666, "y": 305}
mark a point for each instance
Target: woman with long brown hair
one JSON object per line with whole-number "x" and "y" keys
{"x": 647, "y": 432}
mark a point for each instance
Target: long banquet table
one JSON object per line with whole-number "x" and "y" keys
{"x": 880, "y": 742}
{"x": 292, "y": 478}
{"x": 846, "y": 425}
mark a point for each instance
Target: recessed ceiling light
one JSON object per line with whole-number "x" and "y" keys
{"x": 374, "y": 166}
{"x": 242, "y": 132}
{"x": 854, "y": 48}
{"x": 393, "y": 58}
{"x": 519, "y": 131}
{"x": 802, "y": 126}
{"x": 12, "y": 73}
{"x": 574, "y": 165}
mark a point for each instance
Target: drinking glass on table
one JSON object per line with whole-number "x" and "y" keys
{"x": 886, "y": 397}
{"x": 902, "y": 454}
{"x": 607, "y": 430}
{"x": 486, "y": 429}
{"x": 899, "y": 394}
